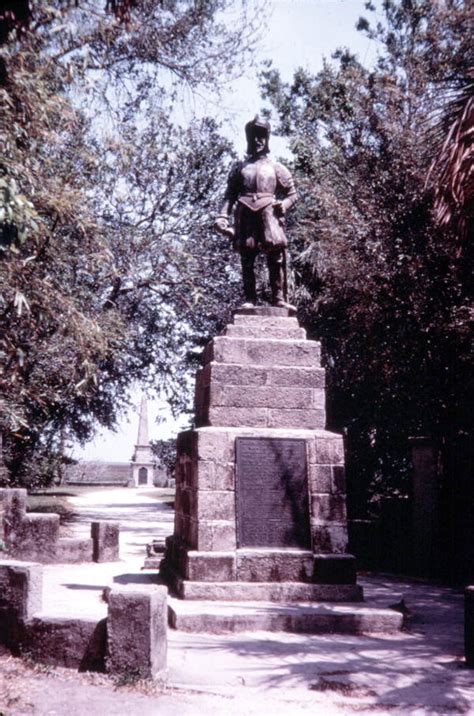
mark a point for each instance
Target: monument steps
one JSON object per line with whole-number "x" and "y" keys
{"x": 306, "y": 618}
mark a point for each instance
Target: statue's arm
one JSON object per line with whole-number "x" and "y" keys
{"x": 286, "y": 189}
{"x": 221, "y": 224}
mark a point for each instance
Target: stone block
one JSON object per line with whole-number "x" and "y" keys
{"x": 34, "y": 537}
{"x": 137, "y": 632}
{"x": 14, "y": 501}
{"x": 214, "y": 445}
{"x": 339, "y": 479}
{"x": 469, "y": 626}
{"x": 215, "y": 505}
{"x": 334, "y": 569}
{"x": 236, "y": 417}
{"x": 331, "y": 508}
{"x": 320, "y": 478}
{"x": 212, "y": 475}
{"x": 274, "y": 566}
{"x": 308, "y": 419}
{"x": 261, "y": 397}
{"x": 71, "y": 550}
{"x": 210, "y": 566}
{"x": 214, "y": 536}
{"x": 105, "y": 536}
{"x": 329, "y": 538}
{"x": 186, "y": 443}
{"x": 330, "y": 451}
{"x": 258, "y": 352}
{"x": 72, "y": 643}
{"x": 21, "y": 588}
{"x": 292, "y": 377}
{"x": 278, "y": 332}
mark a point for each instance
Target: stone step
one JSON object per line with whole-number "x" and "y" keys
{"x": 266, "y": 397}
{"x": 307, "y": 618}
{"x": 263, "y": 352}
{"x": 271, "y": 331}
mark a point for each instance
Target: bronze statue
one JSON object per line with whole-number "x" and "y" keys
{"x": 262, "y": 191}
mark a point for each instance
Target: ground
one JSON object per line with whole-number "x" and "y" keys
{"x": 417, "y": 671}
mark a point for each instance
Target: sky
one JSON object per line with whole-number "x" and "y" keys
{"x": 299, "y": 33}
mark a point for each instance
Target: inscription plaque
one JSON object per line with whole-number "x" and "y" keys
{"x": 272, "y": 493}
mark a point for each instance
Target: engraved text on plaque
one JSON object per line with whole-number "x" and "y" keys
{"x": 272, "y": 493}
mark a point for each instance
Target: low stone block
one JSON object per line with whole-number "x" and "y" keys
{"x": 105, "y": 537}
{"x": 210, "y": 567}
{"x": 137, "y": 632}
{"x": 291, "y": 376}
{"x": 21, "y": 593}
{"x": 21, "y": 588}
{"x": 274, "y": 566}
{"x": 334, "y": 569}
{"x": 469, "y": 626}
{"x": 72, "y": 643}
{"x": 34, "y": 537}
{"x": 71, "y": 550}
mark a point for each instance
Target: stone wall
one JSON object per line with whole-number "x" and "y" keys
{"x": 35, "y": 536}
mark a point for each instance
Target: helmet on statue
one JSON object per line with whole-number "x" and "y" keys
{"x": 258, "y": 128}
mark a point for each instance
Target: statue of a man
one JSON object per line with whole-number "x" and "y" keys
{"x": 262, "y": 191}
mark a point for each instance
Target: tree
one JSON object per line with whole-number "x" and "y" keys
{"x": 109, "y": 271}
{"x": 377, "y": 278}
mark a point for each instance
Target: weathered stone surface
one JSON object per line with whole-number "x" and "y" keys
{"x": 70, "y": 550}
{"x": 334, "y": 569}
{"x": 210, "y": 566}
{"x": 307, "y": 419}
{"x": 21, "y": 589}
{"x": 330, "y": 451}
{"x": 320, "y": 478}
{"x": 275, "y": 375}
{"x": 281, "y": 332}
{"x": 267, "y": 591}
{"x": 274, "y": 566}
{"x": 137, "y": 631}
{"x": 310, "y": 619}
{"x": 269, "y": 352}
{"x": 215, "y": 505}
{"x": 329, "y": 537}
{"x": 213, "y": 475}
{"x": 265, "y": 397}
{"x": 331, "y": 508}
{"x": 469, "y": 626}
{"x": 236, "y": 417}
{"x": 34, "y": 537}
{"x": 105, "y": 537}
{"x": 73, "y": 643}
{"x": 212, "y": 535}
{"x": 215, "y": 445}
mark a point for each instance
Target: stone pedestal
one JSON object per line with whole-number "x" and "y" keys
{"x": 260, "y": 492}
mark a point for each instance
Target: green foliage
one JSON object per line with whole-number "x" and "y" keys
{"x": 109, "y": 272}
{"x": 165, "y": 454}
{"x": 376, "y": 278}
